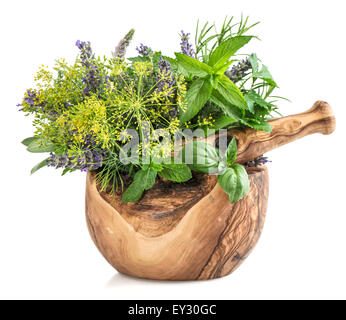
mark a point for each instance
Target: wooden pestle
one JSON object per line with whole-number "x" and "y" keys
{"x": 252, "y": 143}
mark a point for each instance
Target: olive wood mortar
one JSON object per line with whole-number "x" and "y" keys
{"x": 191, "y": 231}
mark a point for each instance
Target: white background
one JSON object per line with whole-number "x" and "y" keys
{"x": 45, "y": 248}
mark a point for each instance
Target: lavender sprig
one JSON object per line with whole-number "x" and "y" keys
{"x": 239, "y": 70}
{"x": 257, "y": 162}
{"x": 92, "y": 79}
{"x": 143, "y": 50}
{"x": 185, "y": 45}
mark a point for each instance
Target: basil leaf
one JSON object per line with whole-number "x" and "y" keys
{"x": 231, "y": 92}
{"x": 28, "y": 141}
{"x": 193, "y": 66}
{"x": 197, "y": 96}
{"x": 201, "y": 156}
{"x": 235, "y": 182}
{"x": 231, "y": 152}
{"x": 176, "y": 172}
{"x": 39, "y": 166}
{"x": 226, "y": 50}
{"x": 265, "y": 75}
{"x": 40, "y": 146}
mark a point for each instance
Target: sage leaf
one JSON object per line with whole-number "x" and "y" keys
{"x": 40, "y": 146}
{"x": 28, "y": 141}
{"x": 39, "y": 166}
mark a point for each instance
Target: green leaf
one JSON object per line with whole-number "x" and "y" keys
{"x": 40, "y": 146}
{"x": 253, "y": 97}
{"x": 222, "y": 122}
{"x": 254, "y": 62}
{"x": 143, "y": 180}
{"x": 39, "y": 166}
{"x": 226, "y": 50}
{"x": 176, "y": 172}
{"x": 231, "y": 92}
{"x": 201, "y": 156}
{"x": 146, "y": 178}
{"x": 197, "y": 96}
{"x": 250, "y": 103}
{"x": 231, "y": 151}
{"x": 193, "y": 66}
{"x": 265, "y": 75}
{"x": 133, "y": 193}
{"x": 28, "y": 141}
{"x": 260, "y": 125}
{"x": 235, "y": 182}
{"x": 139, "y": 59}
{"x": 229, "y": 109}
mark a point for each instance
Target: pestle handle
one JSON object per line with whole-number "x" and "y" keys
{"x": 252, "y": 143}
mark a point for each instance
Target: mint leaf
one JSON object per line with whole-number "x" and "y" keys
{"x": 257, "y": 124}
{"x": 231, "y": 92}
{"x": 197, "y": 96}
{"x": 222, "y": 122}
{"x": 254, "y": 62}
{"x": 229, "y": 109}
{"x": 265, "y": 75}
{"x": 146, "y": 178}
{"x": 176, "y": 172}
{"x": 39, "y": 166}
{"x": 226, "y": 50}
{"x": 193, "y": 66}
{"x": 133, "y": 193}
{"x": 143, "y": 180}
{"x": 256, "y": 98}
{"x": 231, "y": 152}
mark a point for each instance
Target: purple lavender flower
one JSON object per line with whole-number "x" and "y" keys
{"x": 166, "y": 80}
{"x": 143, "y": 50}
{"x": 92, "y": 79}
{"x": 238, "y": 71}
{"x": 257, "y": 162}
{"x": 186, "y": 47}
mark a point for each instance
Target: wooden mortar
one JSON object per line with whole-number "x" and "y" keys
{"x": 191, "y": 231}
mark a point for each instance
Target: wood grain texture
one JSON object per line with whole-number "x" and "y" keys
{"x": 252, "y": 143}
{"x": 178, "y": 232}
